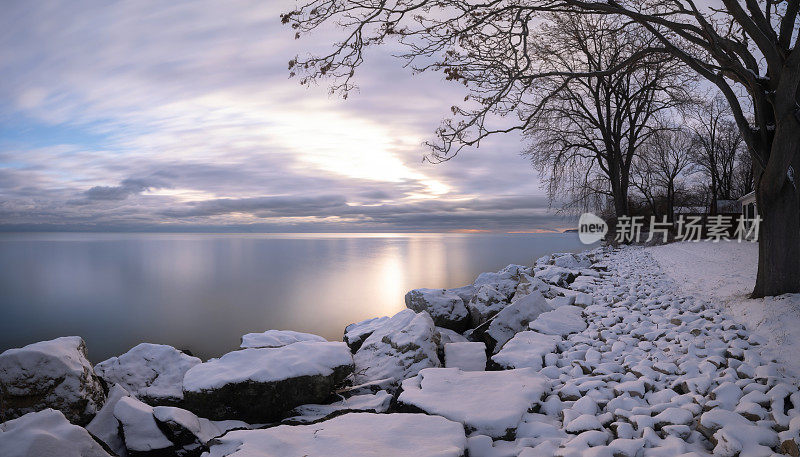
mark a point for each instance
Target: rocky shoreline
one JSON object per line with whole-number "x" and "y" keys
{"x": 590, "y": 354}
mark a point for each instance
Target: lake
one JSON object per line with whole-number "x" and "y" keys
{"x": 201, "y": 292}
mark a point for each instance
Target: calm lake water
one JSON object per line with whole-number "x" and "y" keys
{"x": 203, "y": 291}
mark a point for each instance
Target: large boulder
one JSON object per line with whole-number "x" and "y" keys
{"x": 572, "y": 261}
{"x": 143, "y": 437}
{"x": 378, "y": 402}
{"x": 153, "y": 373}
{"x": 350, "y": 435}
{"x": 505, "y": 280}
{"x": 486, "y": 302}
{"x": 487, "y": 402}
{"x": 260, "y": 385}
{"x": 512, "y": 319}
{"x": 398, "y": 349}
{"x": 50, "y": 374}
{"x": 446, "y": 308}
{"x": 47, "y": 433}
{"x": 105, "y": 427}
{"x": 526, "y": 350}
{"x": 276, "y": 338}
{"x": 355, "y": 334}
{"x": 561, "y": 321}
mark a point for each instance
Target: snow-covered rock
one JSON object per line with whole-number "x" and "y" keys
{"x": 189, "y": 434}
{"x": 373, "y": 403}
{"x": 46, "y": 433}
{"x": 398, "y": 349}
{"x": 556, "y": 275}
{"x": 486, "y": 302}
{"x": 514, "y": 318}
{"x": 350, "y": 435}
{"x": 355, "y": 334}
{"x": 276, "y": 338}
{"x": 487, "y": 402}
{"x": 260, "y": 384}
{"x": 505, "y": 281}
{"x": 446, "y": 308}
{"x": 470, "y": 356}
{"x": 561, "y": 321}
{"x": 50, "y": 374}
{"x": 151, "y": 372}
{"x": 526, "y": 350}
{"x": 105, "y": 427}
{"x": 572, "y": 261}
{"x": 141, "y": 433}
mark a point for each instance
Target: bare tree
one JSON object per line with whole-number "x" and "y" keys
{"x": 718, "y": 142}
{"x": 587, "y": 130}
{"x": 662, "y": 165}
{"x": 743, "y": 47}
{"x": 743, "y": 174}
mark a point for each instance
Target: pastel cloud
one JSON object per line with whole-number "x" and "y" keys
{"x": 137, "y": 115}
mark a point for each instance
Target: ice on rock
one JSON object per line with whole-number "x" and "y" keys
{"x": 259, "y": 385}
{"x": 446, "y": 308}
{"x": 50, "y": 374}
{"x": 276, "y": 338}
{"x": 561, "y": 321}
{"x": 46, "y": 433}
{"x": 350, "y": 435}
{"x": 105, "y": 427}
{"x": 151, "y": 372}
{"x": 487, "y": 402}
{"x": 139, "y": 427}
{"x": 513, "y": 319}
{"x": 374, "y": 403}
{"x": 469, "y": 356}
{"x": 526, "y": 350}
{"x": 355, "y": 334}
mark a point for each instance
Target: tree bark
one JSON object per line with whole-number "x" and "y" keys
{"x": 779, "y": 234}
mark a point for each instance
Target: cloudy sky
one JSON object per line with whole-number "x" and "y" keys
{"x": 181, "y": 116}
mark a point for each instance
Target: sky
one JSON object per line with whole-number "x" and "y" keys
{"x": 180, "y": 116}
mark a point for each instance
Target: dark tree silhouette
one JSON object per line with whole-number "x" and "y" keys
{"x": 746, "y": 48}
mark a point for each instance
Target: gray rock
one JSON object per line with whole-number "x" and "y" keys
{"x": 50, "y": 374}
{"x": 445, "y": 307}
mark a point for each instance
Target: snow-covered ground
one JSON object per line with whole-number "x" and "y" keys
{"x": 725, "y": 273}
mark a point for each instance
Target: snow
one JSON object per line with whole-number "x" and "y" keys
{"x": 516, "y": 317}
{"x": 355, "y": 334}
{"x": 139, "y": 426}
{"x": 446, "y": 308}
{"x": 398, "y": 349}
{"x": 50, "y": 374}
{"x": 276, "y": 338}
{"x": 350, "y": 435}
{"x": 376, "y": 403}
{"x": 105, "y": 426}
{"x": 307, "y": 358}
{"x": 46, "y": 433}
{"x": 526, "y": 349}
{"x": 487, "y": 302}
{"x": 204, "y": 429}
{"x": 151, "y": 372}
{"x": 468, "y": 356}
{"x": 487, "y": 402}
{"x": 561, "y": 321}
{"x": 725, "y": 273}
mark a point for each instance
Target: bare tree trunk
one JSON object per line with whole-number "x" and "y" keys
{"x": 779, "y": 234}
